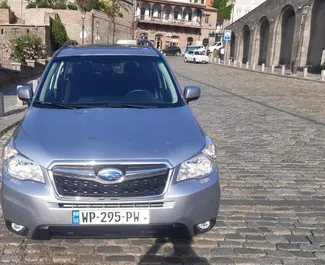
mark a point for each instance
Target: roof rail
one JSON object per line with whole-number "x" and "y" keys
{"x": 145, "y": 43}
{"x": 70, "y": 43}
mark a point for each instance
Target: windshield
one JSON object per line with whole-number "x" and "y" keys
{"x": 91, "y": 81}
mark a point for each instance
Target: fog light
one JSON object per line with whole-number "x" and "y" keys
{"x": 17, "y": 228}
{"x": 204, "y": 225}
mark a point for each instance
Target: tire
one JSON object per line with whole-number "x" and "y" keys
{"x": 177, "y": 53}
{"x": 185, "y": 60}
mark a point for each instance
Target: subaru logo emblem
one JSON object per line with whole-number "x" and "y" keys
{"x": 111, "y": 175}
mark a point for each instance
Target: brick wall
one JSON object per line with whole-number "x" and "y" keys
{"x": 9, "y": 32}
{"x": 15, "y": 73}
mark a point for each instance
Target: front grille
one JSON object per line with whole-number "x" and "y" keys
{"x": 112, "y": 205}
{"x": 71, "y": 182}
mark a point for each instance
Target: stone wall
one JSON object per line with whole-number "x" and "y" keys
{"x": 15, "y": 73}
{"x": 123, "y": 27}
{"x": 17, "y": 6}
{"x": 9, "y": 32}
{"x": 274, "y": 11}
{"x": 6, "y": 16}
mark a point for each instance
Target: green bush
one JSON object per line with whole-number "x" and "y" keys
{"x": 60, "y": 6}
{"x": 58, "y": 33}
{"x": 44, "y": 4}
{"x": 4, "y": 4}
{"x": 31, "y": 5}
{"x": 26, "y": 48}
{"x": 72, "y": 6}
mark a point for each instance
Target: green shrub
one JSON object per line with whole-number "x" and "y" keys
{"x": 58, "y": 33}
{"x": 31, "y": 5}
{"x": 43, "y": 4}
{"x": 60, "y": 6}
{"x": 3, "y": 4}
{"x": 26, "y": 48}
{"x": 72, "y": 6}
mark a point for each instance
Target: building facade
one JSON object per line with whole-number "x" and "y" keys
{"x": 175, "y": 23}
{"x": 243, "y": 7}
{"x": 279, "y": 33}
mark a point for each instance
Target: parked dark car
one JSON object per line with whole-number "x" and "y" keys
{"x": 173, "y": 50}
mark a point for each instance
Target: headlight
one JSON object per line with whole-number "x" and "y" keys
{"x": 201, "y": 165}
{"x": 19, "y": 167}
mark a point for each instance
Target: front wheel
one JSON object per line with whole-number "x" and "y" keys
{"x": 185, "y": 60}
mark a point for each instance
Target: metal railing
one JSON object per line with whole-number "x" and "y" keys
{"x": 176, "y": 22}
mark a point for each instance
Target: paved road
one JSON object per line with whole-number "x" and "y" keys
{"x": 270, "y": 136}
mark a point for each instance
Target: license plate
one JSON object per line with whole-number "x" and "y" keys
{"x": 108, "y": 217}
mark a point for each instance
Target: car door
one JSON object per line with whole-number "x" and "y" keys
{"x": 190, "y": 56}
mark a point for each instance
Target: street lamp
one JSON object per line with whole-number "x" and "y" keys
{"x": 304, "y": 9}
{"x": 83, "y": 16}
{"x": 97, "y": 25}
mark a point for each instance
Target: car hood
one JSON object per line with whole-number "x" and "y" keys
{"x": 114, "y": 134}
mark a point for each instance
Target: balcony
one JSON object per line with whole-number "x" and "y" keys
{"x": 170, "y": 21}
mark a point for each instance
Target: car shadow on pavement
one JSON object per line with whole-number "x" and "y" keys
{"x": 169, "y": 251}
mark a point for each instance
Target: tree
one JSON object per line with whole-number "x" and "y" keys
{"x": 58, "y": 33}
{"x": 112, "y": 8}
{"x": 224, "y": 10}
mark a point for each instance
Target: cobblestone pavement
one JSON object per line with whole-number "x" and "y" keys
{"x": 270, "y": 136}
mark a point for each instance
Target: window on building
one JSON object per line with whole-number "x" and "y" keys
{"x": 207, "y": 19}
{"x": 189, "y": 16}
{"x": 143, "y": 11}
{"x": 157, "y": 13}
{"x": 167, "y": 13}
{"x": 1, "y": 31}
{"x": 202, "y": 2}
{"x": 176, "y": 14}
{"x": 196, "y": 1}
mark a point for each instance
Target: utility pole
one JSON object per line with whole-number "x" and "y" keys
{"x": 83, "y": 16}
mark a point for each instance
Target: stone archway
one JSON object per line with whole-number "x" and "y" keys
{"x": 317, "y": 40}
{"x": 285, "y": 34}
{"x": 246, "y": 43}
{"x": 263, "y": 40}
{"x": 232, "y": 45}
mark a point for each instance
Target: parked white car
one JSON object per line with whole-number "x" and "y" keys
{"x": 196, "y": 57}
{"x": 215, "y": 46}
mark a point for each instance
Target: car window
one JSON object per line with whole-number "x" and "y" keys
{"x": 99, "y": 80}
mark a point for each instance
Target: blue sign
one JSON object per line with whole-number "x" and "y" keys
{"x": 227, "y": 35}
{"x": 144, "y": 37}
{"x": 75, "y": 217}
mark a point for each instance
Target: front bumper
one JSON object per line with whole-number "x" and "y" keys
{"x": 36, "y": 207}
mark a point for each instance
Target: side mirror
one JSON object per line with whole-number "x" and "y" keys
{"x": 192, "y": 93}
{"x": 25, "y": 93}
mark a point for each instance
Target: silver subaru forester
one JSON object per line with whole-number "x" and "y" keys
{"x": 109, "y": 148}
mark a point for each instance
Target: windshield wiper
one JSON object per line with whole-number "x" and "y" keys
{"x": 134, "y": 106}
{"x": 58, "y": 105}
